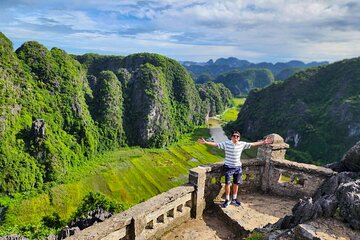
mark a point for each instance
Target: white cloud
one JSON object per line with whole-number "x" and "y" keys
{"x": 256, "y": 30}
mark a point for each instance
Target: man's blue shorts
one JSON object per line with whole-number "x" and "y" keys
{"x": 235, "y": 172}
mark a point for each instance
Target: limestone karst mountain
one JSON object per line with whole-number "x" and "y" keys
{"x": 160, "y": 99}
{"x": 57, "y": 113}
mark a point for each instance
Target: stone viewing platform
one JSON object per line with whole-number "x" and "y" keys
{"x": 271, "y": 187}
{"x": 256, "y": 210}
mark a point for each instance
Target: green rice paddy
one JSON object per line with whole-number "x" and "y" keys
{"x": 128, "y": 176}
{"x": 231, "y": 113}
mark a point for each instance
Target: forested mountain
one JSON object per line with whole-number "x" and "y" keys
{"x": 56, "y": 112}
{"x": 240, "y": 83}
{"x": 317, "y": 111}
{"x": 49, "y": 87}
{"x": 217, "y": 95}
{"x": 222, "y": 65}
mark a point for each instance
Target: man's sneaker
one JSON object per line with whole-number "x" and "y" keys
{"x": 236, "y": 202}
{"x": 226, "y": 203}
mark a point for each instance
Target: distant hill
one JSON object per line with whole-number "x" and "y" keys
{"x": 317, "y": 111}
{"x": 240, "y": 83}
{"x": 222, "y": 65}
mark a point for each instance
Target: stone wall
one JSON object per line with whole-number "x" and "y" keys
{"x": 287, "y": 178}
{"x": 269, "y": 173}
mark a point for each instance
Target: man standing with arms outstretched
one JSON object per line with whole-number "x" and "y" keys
{"x": 232, "y": 164}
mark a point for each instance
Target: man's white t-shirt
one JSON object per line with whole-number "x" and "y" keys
{"x": 233, "y": 152}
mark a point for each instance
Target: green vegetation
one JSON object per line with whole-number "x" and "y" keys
{"x": 48, "y": 85}
{"x": 93, "y": 201}
{"x": 95, "y": 63}
{"x": 232, "y": 113}
{"x": 255, "y": 236}
{"x": 316, "y": 111}
{"x": 108, "y": 94}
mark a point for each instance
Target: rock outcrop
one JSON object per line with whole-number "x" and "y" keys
{"x": 350, "y": 161}
{"x": 98, "y": 215}
{"x": 339, "y": 196}
{"x": 38, "y": 129}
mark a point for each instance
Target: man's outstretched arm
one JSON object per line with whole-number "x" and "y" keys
{"x": 267, "y": 140}
{"x": 203, "y": 141}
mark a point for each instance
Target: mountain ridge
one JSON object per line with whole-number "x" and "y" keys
{"x": 225, "y": 64}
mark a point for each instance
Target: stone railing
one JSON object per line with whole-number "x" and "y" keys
{"x": 147, "y": 219}
{"x": 269, "y": 173}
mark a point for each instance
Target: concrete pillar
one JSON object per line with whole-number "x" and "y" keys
{"x": 197, "y": 177}
{"x": 138, "y": 225}
{"x": 266, "y": 153}
{"x": 276, "y": 150}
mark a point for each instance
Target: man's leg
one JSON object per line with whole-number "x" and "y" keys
{"x": 236, "y": 181}
{"x": 227, "y": 196}
{"x": 228, "y": 173}
{"x": 235, "y": 189}
{"x": 227, "y": 191}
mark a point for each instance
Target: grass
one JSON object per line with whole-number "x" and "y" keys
{"x": 284, "y": 179}
{"x": 232, "y": 113}
{"x": 255, "y": 236}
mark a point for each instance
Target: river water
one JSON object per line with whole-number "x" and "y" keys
{"x": 216, "y": 131}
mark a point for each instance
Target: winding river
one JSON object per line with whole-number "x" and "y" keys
{"x": 216, "y": 131}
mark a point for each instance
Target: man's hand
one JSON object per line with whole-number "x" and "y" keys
{"x": 201, "y": 140}
{"x": 268, "y": 140}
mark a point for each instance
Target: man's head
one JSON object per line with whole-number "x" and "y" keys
{"x": 235, "y": 136}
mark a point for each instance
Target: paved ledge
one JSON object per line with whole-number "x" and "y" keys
{"x": 258, "y": 210}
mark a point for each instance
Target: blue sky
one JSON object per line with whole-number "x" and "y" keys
{"x": 194, "y": 30}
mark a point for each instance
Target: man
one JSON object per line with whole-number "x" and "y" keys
{"x": 232, "y": 164}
